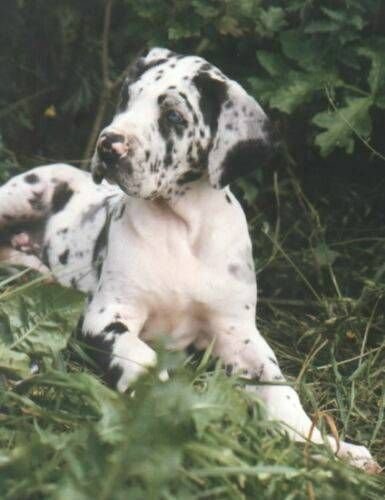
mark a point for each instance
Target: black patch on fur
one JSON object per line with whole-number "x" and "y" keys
{"x": 191, "y": 176}
{"x": 186, "y": 101}
{"x": 101, "y": 240}
{"x": 116, "y": 327}
{"x": 63, "y": 258}
{"x": 99, "y": 349}
{"x": 137, "y": 69}
{"x": 61, "y": 196}
{"x": 242, "y": 158}
{"x": 124, "y": 96}
{"x": 168, "y": 156}
{"x": 273, "y": 361}
{"x": 36, "y": 201}
{"x": 142, "y": 67}
{"x": 120, "y": 211}
{"x": 74, "y": 283}
{"x": 45, "y": 254}
{"x": 228, "y": 199}
{"x": 31, "y": 179}
{"x": 212, "y": 95}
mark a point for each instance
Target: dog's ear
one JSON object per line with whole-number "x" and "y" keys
{"x": 242, "y": 138}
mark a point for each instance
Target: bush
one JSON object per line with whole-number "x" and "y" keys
{"x": 318, "y": 65}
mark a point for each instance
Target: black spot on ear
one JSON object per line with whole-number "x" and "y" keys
{"x": 213, "y": 93}
{"x": 31, "y": 178}
{"x": 61, "y": 196}
{"x": 242, "y": 158}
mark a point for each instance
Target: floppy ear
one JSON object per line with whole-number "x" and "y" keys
{"x": 243, "y": 140}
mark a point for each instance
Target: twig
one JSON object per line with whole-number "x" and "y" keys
{"x": 107, "y": 86}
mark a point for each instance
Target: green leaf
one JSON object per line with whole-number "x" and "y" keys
{"x": 342, "y": 125}
{"x": 375, "y": 51}
{"x": 345, "y": 17}
{"x": 298, "y": 88}
{"x": 324, "y": 255}
{"x": 305, "y": 51}
{"x": 13, "y": 363}
{"x": 273, "y": 19}
{"x": 272, "y": 62}
{"x": 41, "y": 319}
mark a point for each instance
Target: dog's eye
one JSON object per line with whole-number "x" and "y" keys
{"x": 174, "y": 117}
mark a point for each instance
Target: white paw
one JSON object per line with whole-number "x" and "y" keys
{"x": 359, "y": 456}
{"x": 133, "y": 357}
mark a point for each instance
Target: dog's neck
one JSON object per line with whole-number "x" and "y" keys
{"x": 196, "y": 208}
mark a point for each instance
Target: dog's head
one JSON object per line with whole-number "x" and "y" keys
{"x": 180, "y": 119}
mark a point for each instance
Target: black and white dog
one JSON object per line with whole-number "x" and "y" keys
{"x": 163, "y": 246}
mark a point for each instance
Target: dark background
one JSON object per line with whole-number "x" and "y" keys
{"x": 301, "y": 60}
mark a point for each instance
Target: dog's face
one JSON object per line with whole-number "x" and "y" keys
{"x": 180, "y": 119}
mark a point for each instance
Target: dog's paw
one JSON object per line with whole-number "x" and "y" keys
{"x": 359, "y": 456}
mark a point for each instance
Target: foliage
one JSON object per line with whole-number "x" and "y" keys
{"x": 318, "y": 65}
{"x": 65, "y": 435}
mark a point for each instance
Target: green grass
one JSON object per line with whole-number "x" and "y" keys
{"x": 64, "y": 435}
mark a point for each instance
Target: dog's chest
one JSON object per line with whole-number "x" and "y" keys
{"x": 182, "y": 271}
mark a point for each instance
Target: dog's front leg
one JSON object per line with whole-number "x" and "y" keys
{"x": 245, "y": 352}
{"x": 111, "y": 333}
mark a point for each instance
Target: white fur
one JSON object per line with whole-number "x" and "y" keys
{"x": 178, "y": 261}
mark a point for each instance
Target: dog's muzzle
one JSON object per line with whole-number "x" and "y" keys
{"x": 113, "y": 150}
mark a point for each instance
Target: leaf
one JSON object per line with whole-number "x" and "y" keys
{"x": 296, "y": 90}
{"x": 305, "y": 51}
{"x": 273, "y": 63}
{"x": 345, "y": 17}
{"x": 324, "y": 255}
{"x": 41, "y": 319}
{"x": 273, "y": 19}
{"x": 13, "y": 363}
{"x": 342, "y": 125}
{"x": 375, "y": 51}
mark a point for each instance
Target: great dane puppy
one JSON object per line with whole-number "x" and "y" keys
{"x": 163, "y": 246}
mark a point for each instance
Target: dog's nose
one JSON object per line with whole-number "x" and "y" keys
{"x": 111, "y": 146}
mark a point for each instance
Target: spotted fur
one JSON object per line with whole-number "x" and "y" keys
{"x": 161, "y": 246}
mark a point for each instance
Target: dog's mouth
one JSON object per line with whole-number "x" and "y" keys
{"x": 111, "y": 172}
